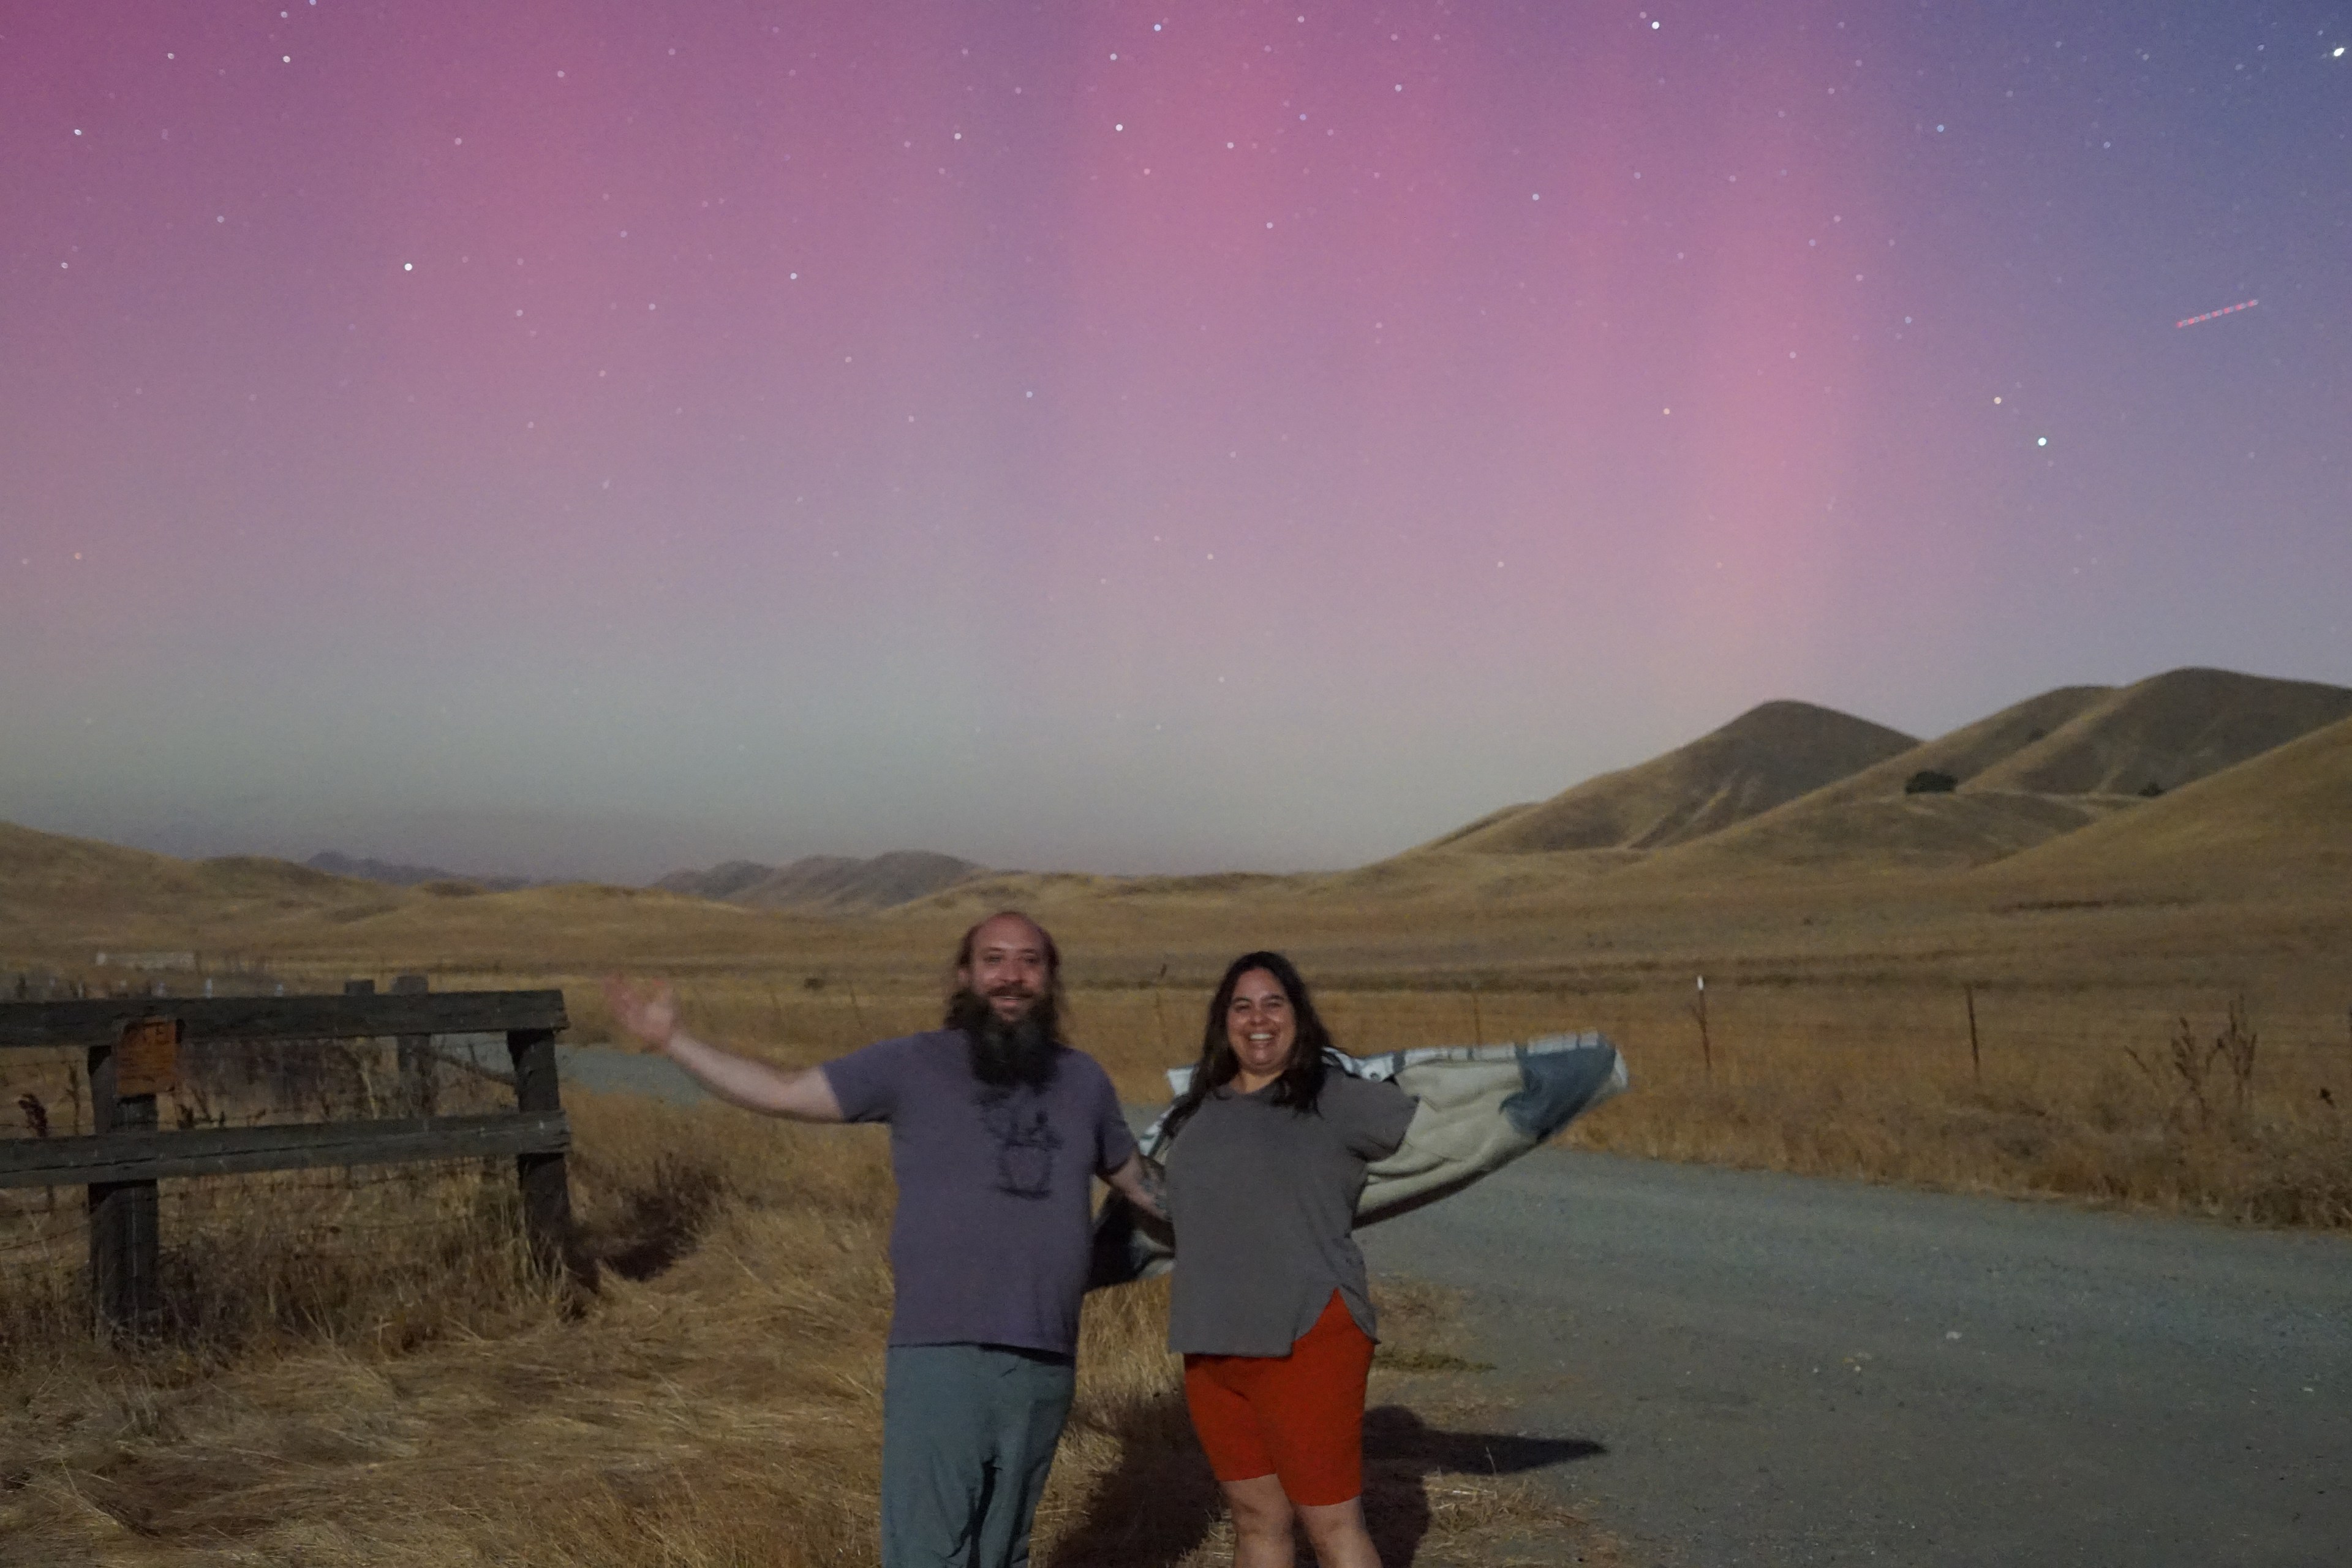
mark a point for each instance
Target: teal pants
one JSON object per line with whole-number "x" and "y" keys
{"x": 967, "y": 1435}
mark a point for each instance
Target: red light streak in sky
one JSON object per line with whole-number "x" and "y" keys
{"x": 2242, "y": 305}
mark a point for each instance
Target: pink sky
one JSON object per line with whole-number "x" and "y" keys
{"x": 573, "y": 439}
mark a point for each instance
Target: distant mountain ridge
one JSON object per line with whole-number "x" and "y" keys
{"x": 2033, "y": 772}
{"x": 828, "y": 883}
{"x": 336, "y": 864}
{"x": 2253, "y": 776}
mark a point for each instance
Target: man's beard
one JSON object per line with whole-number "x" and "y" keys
{"x": 1025, "y": 1050}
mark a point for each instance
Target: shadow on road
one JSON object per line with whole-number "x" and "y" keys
{"x": 1162, "y": 1501}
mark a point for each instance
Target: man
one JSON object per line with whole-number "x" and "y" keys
{"x": 997, "y": 1126}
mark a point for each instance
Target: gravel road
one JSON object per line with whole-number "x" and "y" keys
{"x": 1787, "y": 1371}
{"x": 613, "y": 1070}
{"x": 1777, "y": 1370}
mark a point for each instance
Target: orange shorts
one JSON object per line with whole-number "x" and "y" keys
{"x": 1297, "y": 1417}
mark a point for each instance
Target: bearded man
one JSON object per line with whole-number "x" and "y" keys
{"x": 996, "y": 1127}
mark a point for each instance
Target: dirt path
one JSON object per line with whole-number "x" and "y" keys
{"x": 1778, "y": 1370}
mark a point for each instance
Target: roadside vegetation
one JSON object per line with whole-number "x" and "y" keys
{"x": 2199, "y": 1099}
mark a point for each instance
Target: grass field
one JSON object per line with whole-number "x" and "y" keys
{"x": 363, "y": 1370}
{"x": 1838, "y": 1037}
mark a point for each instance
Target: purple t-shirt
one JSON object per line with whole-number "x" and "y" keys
{"x": 994, "y": 1227}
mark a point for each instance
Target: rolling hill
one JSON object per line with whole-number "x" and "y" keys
{"x": 2168, "y": 731}
{"x": 1769, "y": 755}
{"x": 399, "y": 875}
{"x": 1889, "y": 834}
{"x": 826, "y": 883}
{"x": 1966, "y": 753}
{"x": 1865, "y": 822}
{"x": 1786, "y": 789}
{"x": 2283, "y": 816}
{"x": 2036, "y": 772}
{"x": 53, "y": 886}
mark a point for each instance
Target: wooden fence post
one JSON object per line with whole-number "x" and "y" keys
{"x": 418, "y": 1086}
{"x": 546, "y": 1187}
{"x": 125, "y": 1241}
{"x": 1976, "y": 1054}
{"x": 1705, "y": 1041}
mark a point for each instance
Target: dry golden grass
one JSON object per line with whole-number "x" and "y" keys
{"x": 1839, "y": 1018}
{"x": 1839, "y": 1031}
{"x": 2071, "y": 1090}
{"x": 368, "y": 1372}
{"x": 2078, "y": 1097}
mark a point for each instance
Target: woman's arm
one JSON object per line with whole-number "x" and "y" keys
{"x": 651, "y": 1015}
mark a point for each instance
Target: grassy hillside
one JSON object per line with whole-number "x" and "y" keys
{"x": 1889, "y": 834}
{"x": 2168, "y": 731}
{"x": 1766, "y": 756}
{"x": 1966, "y": 753}
{"x": 77, "y": 891}
{"x": 2281, "y": 821}
{"x": 837, "y": 883}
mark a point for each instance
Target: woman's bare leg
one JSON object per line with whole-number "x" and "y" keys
{"x": 1261, "y": 1523}
{"x": 1338, "y": 1535}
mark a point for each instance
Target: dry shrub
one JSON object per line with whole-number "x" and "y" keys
{"x": 419, "y": 1397}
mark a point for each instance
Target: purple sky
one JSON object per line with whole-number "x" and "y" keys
{"x": 580, "y": 439}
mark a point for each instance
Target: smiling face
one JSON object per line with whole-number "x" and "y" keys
{"x": 1261, "y": 1028}
{"x": 1009, "y": 965}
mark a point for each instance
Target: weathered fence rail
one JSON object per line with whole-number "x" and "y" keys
{"x": 134, "y": 1045}
{"x": 240, "y": 1151}
{"x": 99, "y": 1021}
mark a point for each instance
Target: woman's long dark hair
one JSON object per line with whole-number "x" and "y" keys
{"x": 1301, "y": 1083}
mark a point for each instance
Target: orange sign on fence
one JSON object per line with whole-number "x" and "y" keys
{"x": 148, "y": 1061}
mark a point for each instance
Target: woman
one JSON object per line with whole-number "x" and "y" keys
{"x": 1270, "y": 1309}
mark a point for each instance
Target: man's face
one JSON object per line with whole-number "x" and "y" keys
{"x": 1008, "y": 966}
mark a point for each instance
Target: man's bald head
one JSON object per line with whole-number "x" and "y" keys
{"x": 1007, "y": 999}
{"x": 1008, "y": 953}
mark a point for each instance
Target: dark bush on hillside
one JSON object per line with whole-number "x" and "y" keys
{"x": 1931, "y": 781}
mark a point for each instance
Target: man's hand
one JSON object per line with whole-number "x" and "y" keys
{"x": 1142, "y": 1182}
{"x": 650, "y": 1014}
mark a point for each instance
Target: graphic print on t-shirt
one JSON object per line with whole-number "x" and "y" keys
{"x": 1025, "y": 1142}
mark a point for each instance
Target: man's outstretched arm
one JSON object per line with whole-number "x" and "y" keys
{"x": 651, "y": 1015}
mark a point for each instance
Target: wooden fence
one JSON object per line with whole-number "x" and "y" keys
{"x": 134, "y": 1045}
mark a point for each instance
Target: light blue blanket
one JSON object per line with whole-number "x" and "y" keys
{"x": 1481, "y": 1107}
